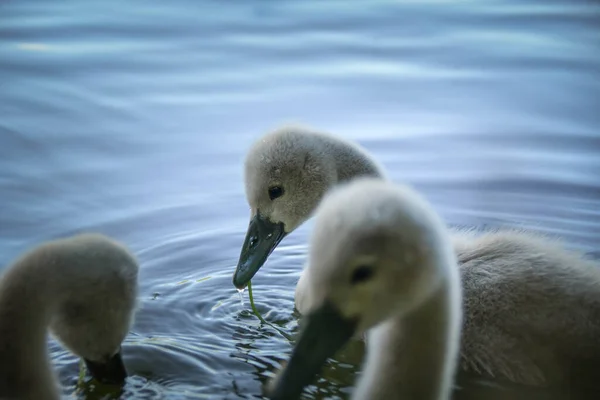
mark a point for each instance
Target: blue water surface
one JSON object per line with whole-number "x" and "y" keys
{"x": 133, "y": 118}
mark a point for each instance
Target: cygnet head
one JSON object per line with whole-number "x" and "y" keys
{"x": 287, "y": 173}
{"x": 95, "y": 306}
{"x": 377, "y": 250}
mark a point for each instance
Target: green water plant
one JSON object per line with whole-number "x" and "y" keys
{"x": 260, "y": 317}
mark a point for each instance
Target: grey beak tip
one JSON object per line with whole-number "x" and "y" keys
{"x": 112, "y": 371}
{"x": 325, "y": 331}
{"x": 261, "y": 239}
{"x": 238, "y": 282}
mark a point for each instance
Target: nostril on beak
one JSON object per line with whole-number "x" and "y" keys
{"x": 253, "y": 242}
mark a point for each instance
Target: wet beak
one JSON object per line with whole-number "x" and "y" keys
{"x": 324, "y": 332}
{"x": 261, "y": 239}
{"x": 110, "y": 372}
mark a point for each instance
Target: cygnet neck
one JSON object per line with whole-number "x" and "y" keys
{"x": 27, "y": 300}
{"x": 414, "y": 356}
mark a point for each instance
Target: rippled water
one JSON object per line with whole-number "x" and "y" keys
{"x": 132, "y": 119}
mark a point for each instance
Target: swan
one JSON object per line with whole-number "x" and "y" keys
{"x": 386, "y": 264}
{"x": 286, "y": 173}
{"x": 520, "y": 290}
{"x": 83, "y": 289}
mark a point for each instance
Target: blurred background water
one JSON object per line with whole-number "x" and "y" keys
{"x": 133, "y": 118}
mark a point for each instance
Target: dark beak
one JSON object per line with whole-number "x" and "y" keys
{"x": 261, "y": 239}
{"x": 110, "y": 372}
{"x": 324, "y": 332}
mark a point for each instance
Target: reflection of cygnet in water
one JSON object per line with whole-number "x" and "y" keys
{"x": 84, "y": 290}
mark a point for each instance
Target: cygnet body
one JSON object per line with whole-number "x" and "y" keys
{"x": 83, "y": 289}
{"x": 381, "y": 263}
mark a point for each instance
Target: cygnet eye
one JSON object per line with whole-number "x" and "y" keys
{"x": 362, "y": 274}
{"x": 275, "y": 192}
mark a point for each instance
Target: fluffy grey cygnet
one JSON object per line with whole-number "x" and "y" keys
{"x": 287, "y": 172}
{"x": 385, "y": 264}
{"x": 83, "y": 289}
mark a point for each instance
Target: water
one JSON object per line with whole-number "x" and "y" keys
{"x": 133, "y": 118}
{"x": 241, "y": 293}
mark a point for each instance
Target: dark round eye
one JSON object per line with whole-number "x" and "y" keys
{"x": 275, "y": 192}
{"x": 361, "y": 274}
